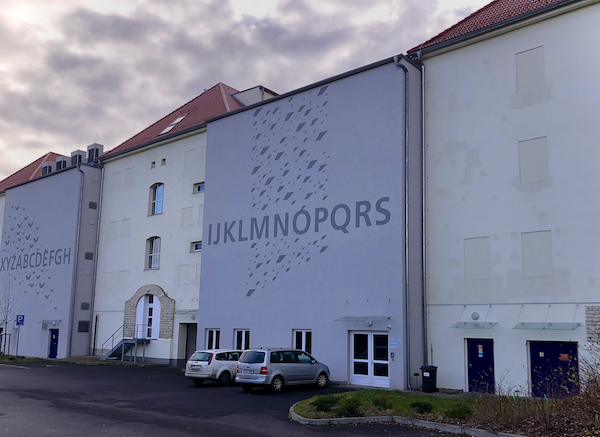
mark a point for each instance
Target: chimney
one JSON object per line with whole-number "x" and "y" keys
{"x": 61, "y": 162}
{"x": 77, "y": 157}
{"x": 47, "y": 167}
{"x": 94, "y": 150}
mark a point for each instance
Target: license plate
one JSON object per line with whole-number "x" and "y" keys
{"x": 247, "y": 371}
{"x": 195, "y": 367}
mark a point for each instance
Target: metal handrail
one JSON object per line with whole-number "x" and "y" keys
{"x": 138, "y": 330}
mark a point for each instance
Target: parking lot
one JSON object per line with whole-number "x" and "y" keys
{"x": 61, "y": 399}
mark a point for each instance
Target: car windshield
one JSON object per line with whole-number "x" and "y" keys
{"x": 200, "y": 356}
{"x": 252, "y": 357}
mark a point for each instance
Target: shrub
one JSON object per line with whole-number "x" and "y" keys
{"x": 461, "y": 411}
{"x": 325, "y": 403}
{"x": 422, "y": 407}
{"x": 349, "y": 407}
{"x": 382, "y": 403}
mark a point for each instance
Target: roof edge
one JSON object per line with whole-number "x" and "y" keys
{"x": 487, "y": 31}
{"x": 165, "y": 138}
{"x": 314, "y": 85}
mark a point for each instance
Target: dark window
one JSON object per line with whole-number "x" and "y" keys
{"x": 222, "y": 356}
{"x": 85, "y": 306}
{"x": 93, "y": 205}
{"x": 361, "y": 369}
{"x": 360, "y": 347}
{"x": 252, "y": 357}
{"x": 84, "y": 326}
{"x": 89, "y": 255}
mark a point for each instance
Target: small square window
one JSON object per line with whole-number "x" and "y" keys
{"x": 199, "y": 188}
{"x": 196, "y": 246}
{"x": 163, "y": 161}
{"x": 153, "y": 164}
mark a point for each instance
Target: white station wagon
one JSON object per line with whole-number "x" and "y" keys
{"x": 218, "y": 364}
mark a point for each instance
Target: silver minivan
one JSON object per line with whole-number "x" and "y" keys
{"x": 275, "y": 368}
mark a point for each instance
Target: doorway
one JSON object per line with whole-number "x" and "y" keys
{"x": 480, "y": 362}
{"x": 554, "y": 368}
{"x": 53, "y": 343}
{"x": 369, "y": 363}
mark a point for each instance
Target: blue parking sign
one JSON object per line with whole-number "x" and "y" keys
{"x": 20, "y": 320}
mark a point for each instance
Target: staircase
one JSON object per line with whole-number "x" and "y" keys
{"x": 117, "y": 346}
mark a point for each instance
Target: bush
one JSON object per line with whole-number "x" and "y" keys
{"x": 382, "y": 403}
{"x": 462, "y": 412}
{"x": 325, "y": 403}
{"x": 422, "y": 407}
{"x": 349, "y": 407}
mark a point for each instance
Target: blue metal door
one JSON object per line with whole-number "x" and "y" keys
{"x": 554, "y": 368}
{"x": 53, "y": 343}
{"x": 480, "y": 356}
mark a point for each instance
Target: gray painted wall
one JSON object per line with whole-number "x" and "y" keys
{"x": 41, "y": 261}
{"x": 329, "y": 151}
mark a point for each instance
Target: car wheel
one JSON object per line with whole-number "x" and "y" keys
{"x": 247, "y": 388}
{"x": 224, "y": 378}
{"x": 322, "y": 380}
{"x": 198, "y": 381}
{"x": 277, "y": 384}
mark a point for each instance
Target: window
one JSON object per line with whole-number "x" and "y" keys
{"x": 153, "y": 164}
{"x": 303, "y": 340}
{"x": 242, "y": 339}
{"x": 172, "y": 125}
{"x": 163, "y": 161}
{"x": 199, "y": 188}
{"x": 213, "y": 338}
{"x": 157, "y": 197}
{"x": 147, "y": 320}
{"x": 196, "y": 246}
{"x": 153, "y": 253}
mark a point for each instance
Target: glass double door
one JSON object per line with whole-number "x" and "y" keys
{"x": 369, "y": 359}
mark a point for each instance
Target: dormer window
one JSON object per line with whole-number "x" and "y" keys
{"x": 172, "y": 125}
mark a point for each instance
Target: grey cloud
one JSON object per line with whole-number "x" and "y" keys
{"x": 89, "y": 27}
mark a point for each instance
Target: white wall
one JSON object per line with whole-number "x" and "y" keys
{"x": 126, "y": 225}
{"x": 485, "y": 178}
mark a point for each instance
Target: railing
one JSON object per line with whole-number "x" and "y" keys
{"x": 140, "y": 331}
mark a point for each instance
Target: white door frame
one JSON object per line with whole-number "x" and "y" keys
{"x": 368, "y": 362}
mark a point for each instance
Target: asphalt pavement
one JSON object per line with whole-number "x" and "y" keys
{"x": 49, "y": 399}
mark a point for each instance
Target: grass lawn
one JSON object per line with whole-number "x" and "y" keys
{"x": 4, "y": 359}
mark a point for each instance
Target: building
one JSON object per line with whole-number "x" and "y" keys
{"x": 150, "y": 240}
{"x": 49, "y": 212}
{"x": 308, "y": 237}
{"x": 511, "y": 104}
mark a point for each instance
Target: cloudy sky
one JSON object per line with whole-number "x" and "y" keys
{"x": 75, "y": 72}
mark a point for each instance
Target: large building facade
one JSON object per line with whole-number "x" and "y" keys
{"x": 308, "y": 241}
{"x": 511, "y": 223}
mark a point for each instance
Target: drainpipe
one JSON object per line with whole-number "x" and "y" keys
{"x": 423, "y": 213}
{"x": 71, "y": 328}
{"x": 397, "y": 60}
{"x": 91, "y": 347}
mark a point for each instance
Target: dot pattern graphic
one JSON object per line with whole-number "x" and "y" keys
{"x": 289, "y": 166}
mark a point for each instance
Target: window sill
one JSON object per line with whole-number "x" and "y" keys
{"x": 152, "y": 215}
{"x": 150, "y": 270}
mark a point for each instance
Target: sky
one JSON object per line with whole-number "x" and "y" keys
{"x": 76, "y": 72}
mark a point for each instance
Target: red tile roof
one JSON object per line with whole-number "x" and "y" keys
{"x": 27, "y": 173}
{"x": 494, "y": 13}
{"x": 210, "y": 103}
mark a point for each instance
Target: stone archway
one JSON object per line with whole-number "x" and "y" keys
{"x": 167, "y": 311}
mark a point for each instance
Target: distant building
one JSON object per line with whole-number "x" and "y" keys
{"x": 49, "y": 213}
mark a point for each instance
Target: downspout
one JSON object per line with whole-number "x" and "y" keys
{"x": 76, "y": 266}
{"x": 397, "y": 60}
{"x": 91, "y": 348}
{"x": 423, "y": 214}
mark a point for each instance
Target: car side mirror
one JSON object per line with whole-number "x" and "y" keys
{"x": 313, "y": 361}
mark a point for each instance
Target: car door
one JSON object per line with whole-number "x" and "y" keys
{"x": 290, "y": 367}
{"x": 307, "y": 372}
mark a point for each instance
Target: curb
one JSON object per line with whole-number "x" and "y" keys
{"x": 444, "y": 427}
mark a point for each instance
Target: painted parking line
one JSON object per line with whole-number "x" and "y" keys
{"x": 16, "y": 367}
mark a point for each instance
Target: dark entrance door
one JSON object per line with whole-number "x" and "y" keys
{"x": 53, "y": 343}
{"x": 554, "y": 368}
{"x": 480, "y": 356}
